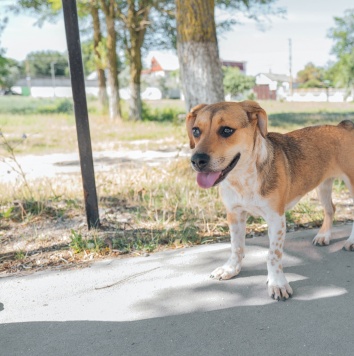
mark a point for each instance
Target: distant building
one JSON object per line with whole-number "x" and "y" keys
{"x": 271, "y": 86}
{"x": 241, "y": 65}
{"x": 162, "y": 64}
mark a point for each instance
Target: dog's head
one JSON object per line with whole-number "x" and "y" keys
{"x": 223, "y": 135}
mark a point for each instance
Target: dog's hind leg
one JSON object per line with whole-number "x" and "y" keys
{"x": 232, "y": 267}
{"x": 324, "y": 192}
{"x": 349, "y": 244}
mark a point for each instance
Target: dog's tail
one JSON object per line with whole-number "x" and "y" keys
{"x": 347, "y": 124}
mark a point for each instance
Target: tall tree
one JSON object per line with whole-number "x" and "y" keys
{"x": 260, "y": 11}
{"x": 93, "y": 49}
{"x": 41, "y": 63}
{"x": 110, "y": 10}
{"x": 97, "y": 40}
{"x": 45, "y": 10}
{"x": 197, "y": 44}
{"x": 3, "y": 61}
{"x": 198, "y": 52}
{"x": 343, "y": 37}
{"x": 135, "y": 18}
{"x": 237, "y": 83}
{"x": 143, "y": 24}
{"x": 311, "y": 76}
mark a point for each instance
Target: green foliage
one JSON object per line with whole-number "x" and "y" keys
{"x": 343, "y": 36}
{"x": 90, "y": 60}
{"x": 40, "y": 63}
{"x": 62, "y": 106}
{"x": 79, "y": 244}
{"x": 237, "y": 83}
{"x": 44, "y": 10}
{"x": 7, "y": 214}
{"x": 3, "y": 70}
{"x": 10, "y": 72}
{"x": 25, "y": 210}
{"x": 19, "y": 255}
{"x": 160, "y": 114}
{"x": 257, "y": 10}
{"x": 311, "y": 76}
{"x": 3, "y": 61}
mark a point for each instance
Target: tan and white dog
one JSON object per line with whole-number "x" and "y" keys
{"x": 265, "y": 174}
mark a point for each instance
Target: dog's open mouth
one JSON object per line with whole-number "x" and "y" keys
{"x": 210, "y": 179}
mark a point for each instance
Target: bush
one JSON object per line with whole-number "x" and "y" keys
{"x": 64, "y": 106}
{"x": 160, "y": 114}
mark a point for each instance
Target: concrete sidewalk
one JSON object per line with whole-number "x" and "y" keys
{"x": 166, "y": 304}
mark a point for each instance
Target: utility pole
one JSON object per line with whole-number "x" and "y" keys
{"x": 53, "y": 76}
{"x": 81, "y": 113}
{"x": 290, "y": 66}
{"x": 28, "y": 76}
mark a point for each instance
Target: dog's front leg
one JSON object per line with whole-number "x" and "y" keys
{"x": 237, "y": 225}
{"x": 278, "y": 286}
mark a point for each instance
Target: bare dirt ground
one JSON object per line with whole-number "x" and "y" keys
{"x": 42, "y": 242}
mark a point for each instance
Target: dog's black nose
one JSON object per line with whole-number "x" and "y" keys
{"x": 200, "y": 160}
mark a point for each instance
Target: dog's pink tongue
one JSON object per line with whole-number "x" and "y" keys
{"x": 207, "y": 180}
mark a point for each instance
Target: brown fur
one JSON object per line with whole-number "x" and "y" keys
{"x": 295, "y": 163}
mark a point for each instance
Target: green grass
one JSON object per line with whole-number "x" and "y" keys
{"x": 291, "y": 120}
{"x": 17, "y": 105}
{"x": 52, "y": 132}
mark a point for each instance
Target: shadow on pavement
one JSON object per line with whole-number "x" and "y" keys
{"x": 176, "y": 310}
{"x": 316, "y": 327}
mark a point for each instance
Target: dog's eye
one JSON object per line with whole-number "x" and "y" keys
{"x": 196, "y": 132}
{"x": 226, "y": 131}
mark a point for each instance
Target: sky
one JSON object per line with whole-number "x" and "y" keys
{"x": 306, "y": 23}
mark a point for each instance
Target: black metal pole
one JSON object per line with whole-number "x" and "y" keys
{"x": 81, "y": 114}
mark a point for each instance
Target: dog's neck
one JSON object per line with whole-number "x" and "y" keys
{"x": 264, "y": 154}
{"x": 252, "y": 170}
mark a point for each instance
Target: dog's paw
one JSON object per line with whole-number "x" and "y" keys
{"x": 278, "y": 287}
{"x": 226, "y": 272}
{"x": 349, "y": 245}
{"x": 322, "y": 239}
{"x": 280, "y": 292}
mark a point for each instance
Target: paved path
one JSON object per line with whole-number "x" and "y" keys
{"x": 165, "y": 304}
{"x": 53, "y": 165}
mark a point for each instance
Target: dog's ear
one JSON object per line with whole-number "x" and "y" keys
{"x": 190, "y": 119}
{"x": 254, "y": 111}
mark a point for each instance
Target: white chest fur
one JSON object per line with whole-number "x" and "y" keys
{"x": 243, "y": 194}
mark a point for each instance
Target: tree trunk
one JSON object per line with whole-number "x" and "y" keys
{"x": 97, "y": 37}
{"x": 198, "y": 52}
{"x": 137, "y": 28}
{"x": 114, "y": 105}
{"x": 135, "y": 104}
{"x": 102, "y": 90}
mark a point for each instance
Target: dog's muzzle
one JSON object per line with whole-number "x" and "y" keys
{"x": 207, "y": 178}
{"x": 200, "y": 161}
